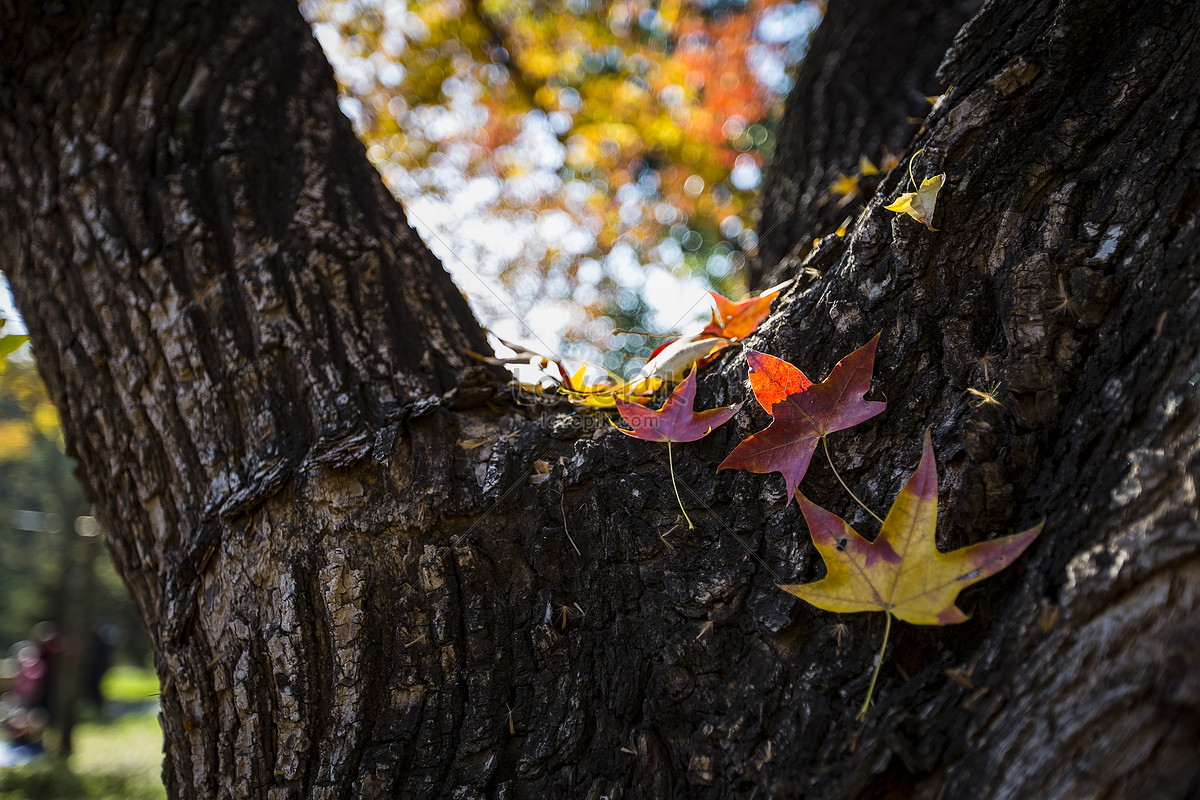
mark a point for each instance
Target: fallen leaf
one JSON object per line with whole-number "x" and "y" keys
{"x": 605, "y": 393}
{"x": 844, "y": 186}
{"x": 667, "y": 342}
{"x": 673, "y": 360}
{"x": 541, "y": 472}
{"x": 676, "y": 421}
{"x": 803, "y": 412}
{"x": 736, "y": 320}
{"x": 902, "y": 572}
{"x": 920, "y": 204}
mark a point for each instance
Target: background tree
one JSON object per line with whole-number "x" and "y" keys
{"x": 54, "y": 570}
{"x": 259, "y": 369}
{"x": 583, "y": 152}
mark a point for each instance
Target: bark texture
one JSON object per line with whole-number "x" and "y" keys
{"x": 260, "y": 372}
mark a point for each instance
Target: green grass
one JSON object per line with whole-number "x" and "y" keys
{"x": 129, "y": 685}
{"x": 130, "y": 745}
{"x": 118, "y": 760}
{"x": 49, "y": 780}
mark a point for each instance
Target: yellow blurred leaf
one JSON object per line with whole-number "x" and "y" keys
{"x": 45, "y": 419}
{"x": 845, "y": 185}
{"x": 16, "y": 439}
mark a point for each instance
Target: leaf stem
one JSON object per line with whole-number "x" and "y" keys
{"x": 911, "y": 179}
{"x": 671, "y": 464}
{"x": 862, "y": 712}
{"x": 829, "y": 458}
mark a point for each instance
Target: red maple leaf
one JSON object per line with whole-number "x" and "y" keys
{"x": 803, "y": 412}
{"x": 676, "y": 421}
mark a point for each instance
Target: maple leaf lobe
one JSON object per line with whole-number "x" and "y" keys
{"x": 773, "y": 380}
{"x": 737, "y": 319}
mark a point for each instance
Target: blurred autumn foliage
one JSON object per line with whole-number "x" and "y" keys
{"x": 571, "y": 151}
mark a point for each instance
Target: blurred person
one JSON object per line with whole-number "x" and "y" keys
{"x": 24, "y": 727}
{"x": 50, "y": 646}
{"x": 29, "y": 683}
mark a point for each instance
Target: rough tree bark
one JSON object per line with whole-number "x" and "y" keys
{"x": 260, "y": 372}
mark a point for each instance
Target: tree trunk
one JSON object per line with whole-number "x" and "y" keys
{"x": 261, "y": 374}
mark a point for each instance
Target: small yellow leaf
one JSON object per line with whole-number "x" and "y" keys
{"x": 845, "y": 185}
{"x": 865, "y": 167}
{"x": 541, "y": 472}
{"x": 605, "y": 393}
{"x": 920, "y": 204}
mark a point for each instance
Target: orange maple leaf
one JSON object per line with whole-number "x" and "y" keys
{"x": 735, "y": 320}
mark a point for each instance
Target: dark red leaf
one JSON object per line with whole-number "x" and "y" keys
{"x": 803, "y": 412}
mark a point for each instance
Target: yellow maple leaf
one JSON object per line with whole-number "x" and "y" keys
{"x": 902, "y": 572}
